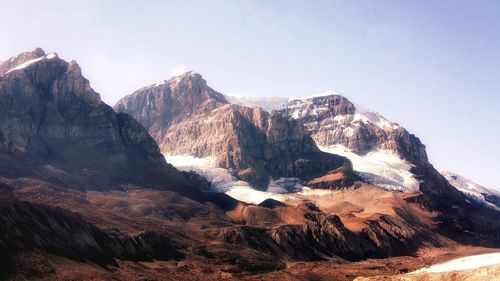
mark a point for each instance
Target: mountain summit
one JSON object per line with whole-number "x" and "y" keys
{"x": 185, "y": 116}
{"x": 53, "y": 126}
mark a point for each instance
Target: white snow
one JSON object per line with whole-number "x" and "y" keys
{"x": 317, "y": 95}
{"x": 270, "y": 103}
{"x": 470, "y": 188}
{"x": 367, "y": 116}
{"x": 285, "y": 185}
{"x": 296, "y": 114}
{"x": 249, "y": 195}
{"x": 313, "y": 192}
{"x": 380, "y": 167}
{"x": 222, "y": 180}
{"x": 161, "y": 82}
{"x": 266, "y": 103}
{"x": 466, "y": 184}
{"x": 339, "y": 118}
{"x": 348, "y": 132}
{"x": 32, "y": 61}
{"x": 465, "y": 263}
{"x": 296, "y": 108}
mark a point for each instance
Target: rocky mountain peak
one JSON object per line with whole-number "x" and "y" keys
{"x": 19, "y": 60}
{"x": 53, "y": 126}
{"x": 161, "y": 103}
{"x": 187, "y": 117}
{"x": 327, "y": 105}
{"x": 189, "y": 77}
{"x": 49, "y": 72}
{"x": 191, "y": 88}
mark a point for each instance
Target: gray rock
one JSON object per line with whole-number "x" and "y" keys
{"x": 54, "y": 127}
{"x": 185, "y": 116}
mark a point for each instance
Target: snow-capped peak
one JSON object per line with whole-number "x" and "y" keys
{"x": 266, "y": 103}
{"x": 32, "y": 61}
{"x": 367, "y": 116}
{"x": 317, "y": 95}
{"x": 298, "y": 107}
{"x": 466, "y": 184}
{"x": 471, "y": 188}
{"x": 270, "y": 103}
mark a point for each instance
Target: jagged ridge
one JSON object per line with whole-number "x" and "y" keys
{"x": 185, "y": 116}
{"x": 53, "y": 126}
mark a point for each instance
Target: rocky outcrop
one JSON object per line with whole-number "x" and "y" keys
{"x": 54, "y": 127}
{"x": 322, "y": 236}
{"x": 185, "y": 116}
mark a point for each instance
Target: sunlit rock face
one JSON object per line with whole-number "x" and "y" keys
{"x": 54, "y": 126}
{"x": 185, "y": 116}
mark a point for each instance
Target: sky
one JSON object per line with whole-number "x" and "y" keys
{"x": 431, "y": 66}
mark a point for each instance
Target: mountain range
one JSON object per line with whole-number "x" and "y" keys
{"x": 180, "y": 182}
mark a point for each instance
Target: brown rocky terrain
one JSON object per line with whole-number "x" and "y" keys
{"x": 159, "y": 235}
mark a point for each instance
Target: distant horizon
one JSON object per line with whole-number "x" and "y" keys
{"x": 430, "y": 66}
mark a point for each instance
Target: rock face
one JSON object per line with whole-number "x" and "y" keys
{"x": 54, "y": 127}
{"x": 333, "y": 119}
{"x": 185, "y": 116}
{"x": 473, "y": 189}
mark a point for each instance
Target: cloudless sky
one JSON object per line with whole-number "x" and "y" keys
{"x": 432, "y": 66}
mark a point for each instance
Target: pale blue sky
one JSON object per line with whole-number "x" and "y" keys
{"x": 432, "y": 66}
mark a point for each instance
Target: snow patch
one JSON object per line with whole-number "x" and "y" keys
{"x": 380, "y": 167}
{"x": 298, "y": 107}
{"x": 317, "y": 95}
{"x": 32, "y": 61}
{"x": 249, "y": 195}
{"x": 270, "y": 103}
{"x": 470, "y": 188}
{"x": 222, "y": 180}
{"x": 367, "y": 116}
{"x": 285, "y": 185}
{"x": 465, "y": 263}
{"x": 266, "y": 103}
{"x": 161, "y": 82}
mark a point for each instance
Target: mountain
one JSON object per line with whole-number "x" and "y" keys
{"x": 85, "y": 192}
{"x": 54, "y": 127}
{"x": 473, "y": 189}
{"x": 382, "y": 152}
{"x": 185, "y": 116}
{"x": 386, "y": 154}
